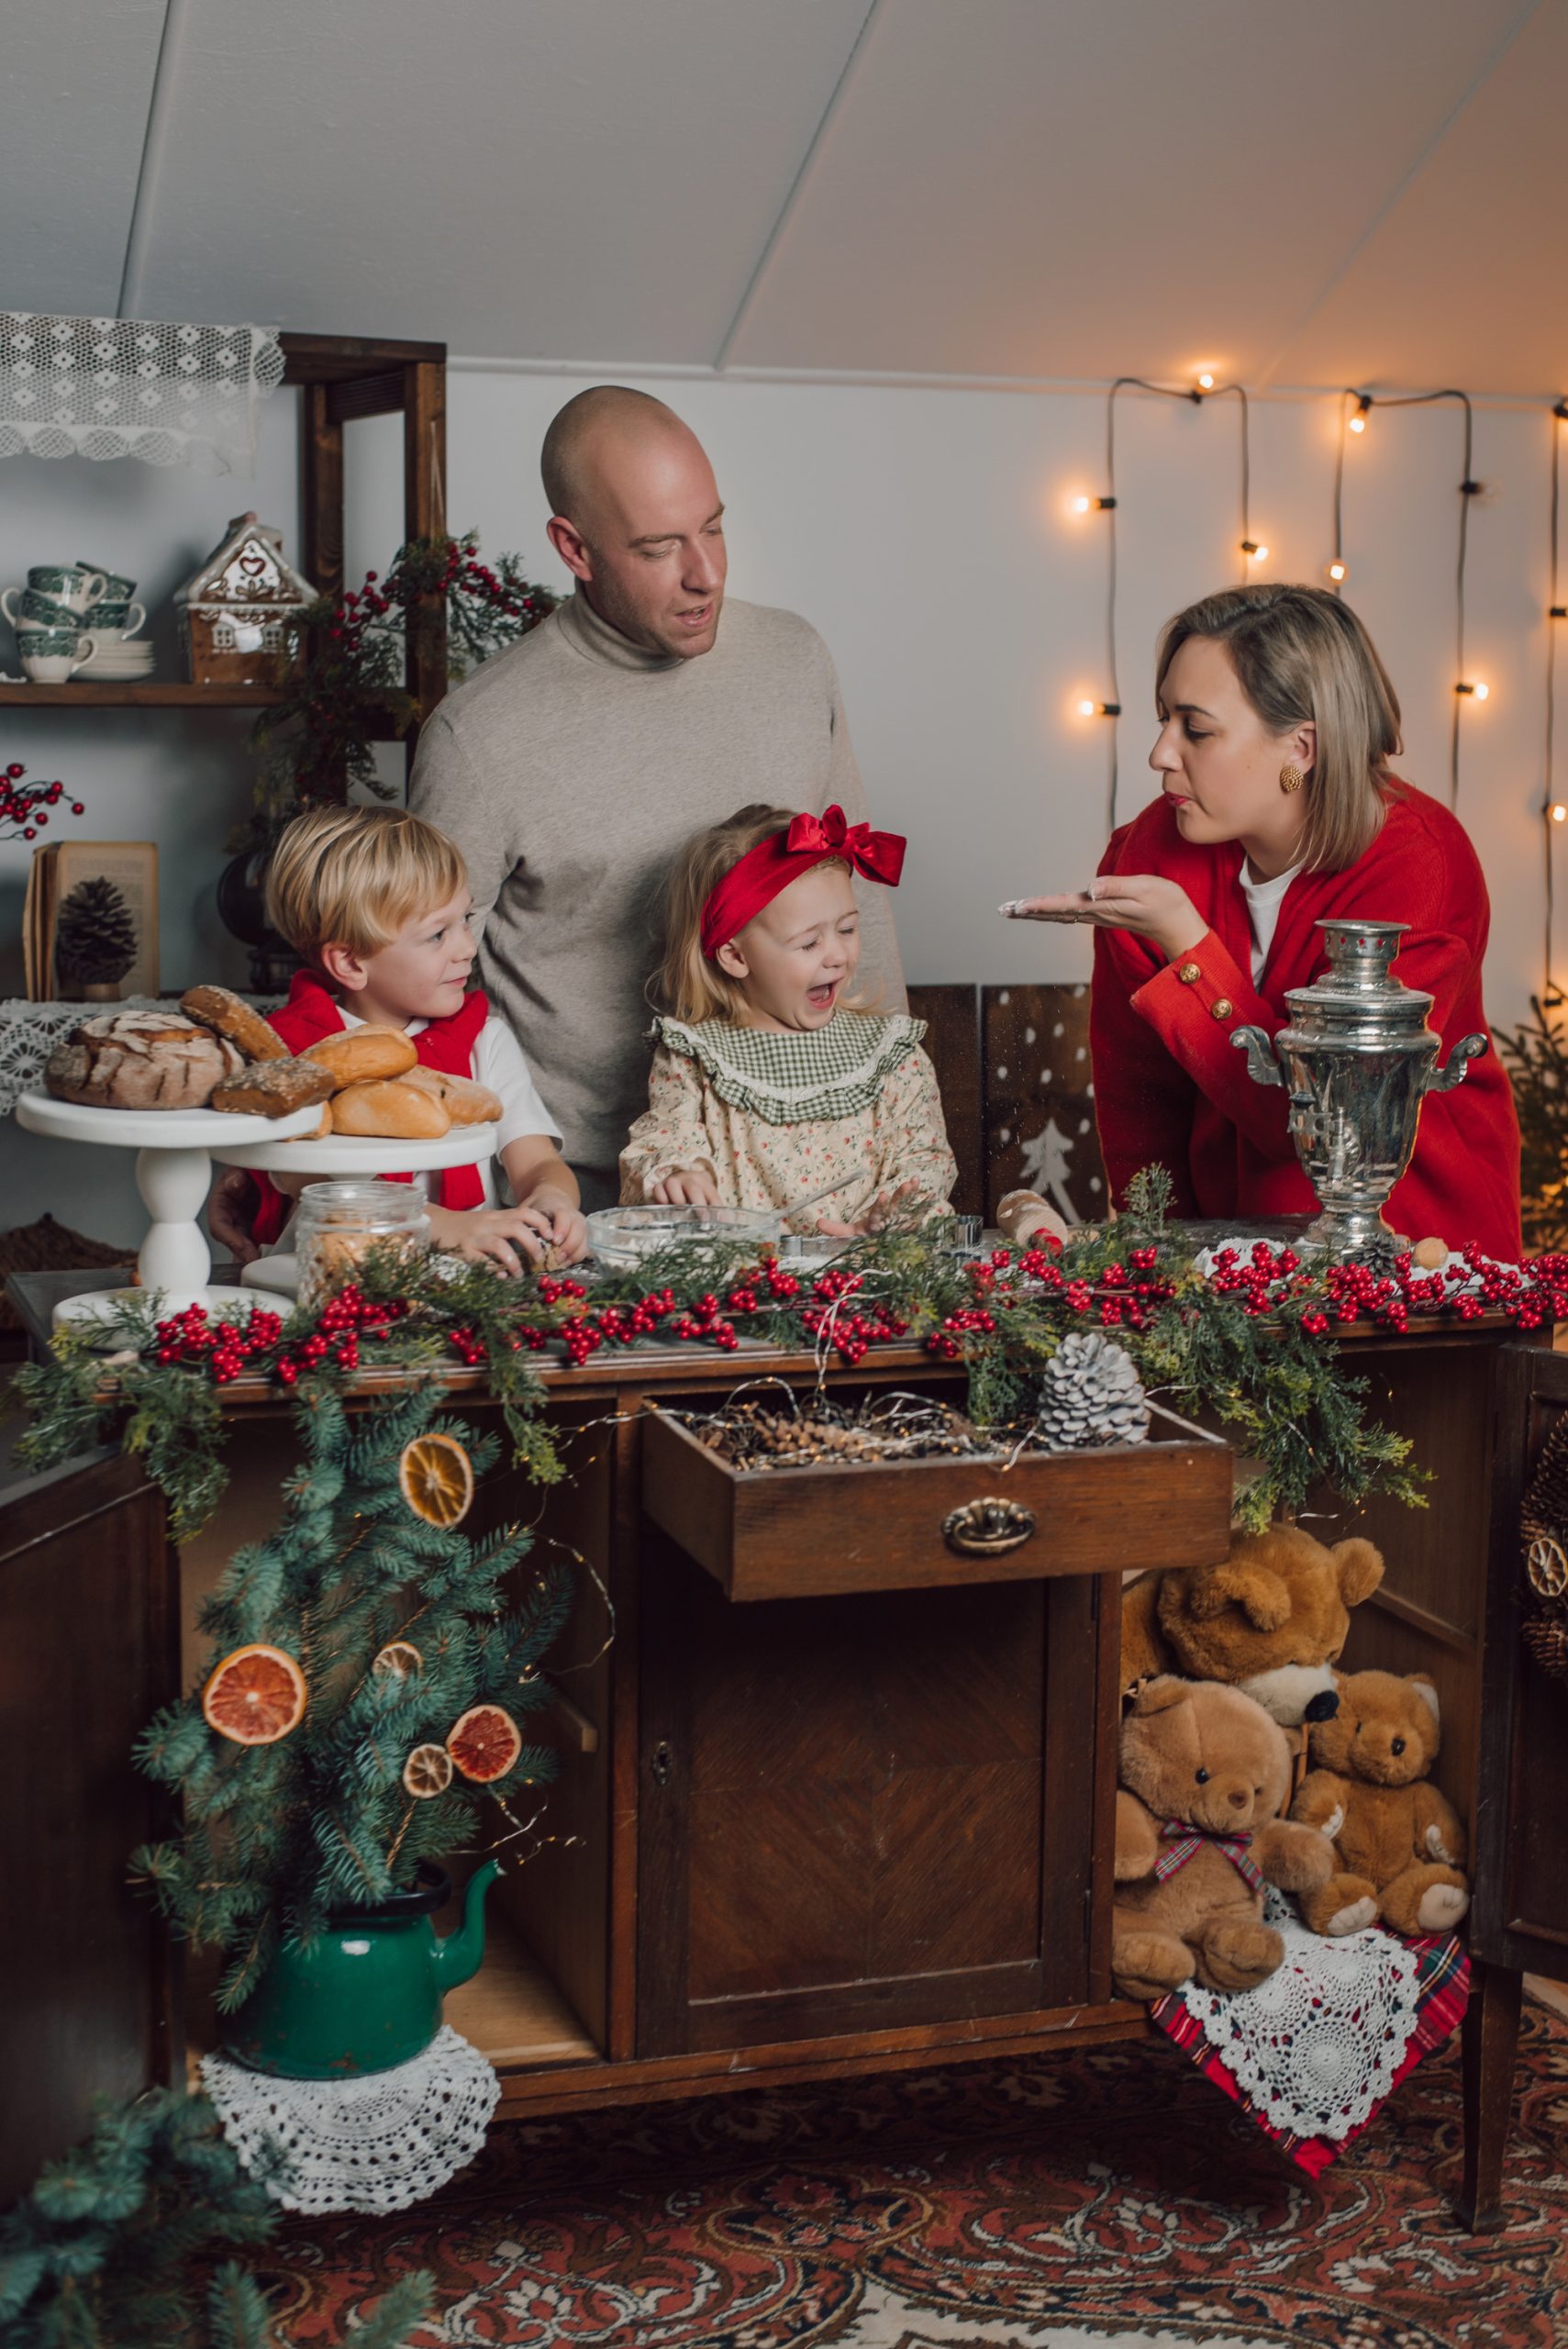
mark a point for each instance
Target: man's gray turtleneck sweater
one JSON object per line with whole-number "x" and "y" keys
{"x": 569, "y": 771}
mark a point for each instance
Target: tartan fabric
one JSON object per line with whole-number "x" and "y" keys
{"x": 1443, "y": 1977}
{"x": 1186, "y": 1842}
{"x": 830, "y": 1072}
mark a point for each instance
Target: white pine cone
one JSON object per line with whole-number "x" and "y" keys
{"x": 1091, "y": 1394}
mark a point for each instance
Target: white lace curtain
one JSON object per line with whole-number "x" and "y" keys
{"x": 132, "y": 387}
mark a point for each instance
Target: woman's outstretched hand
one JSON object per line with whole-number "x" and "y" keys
{"x": 1145, "y": 903}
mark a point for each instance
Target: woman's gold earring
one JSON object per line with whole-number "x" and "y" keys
{"x": 1291, "y": 778}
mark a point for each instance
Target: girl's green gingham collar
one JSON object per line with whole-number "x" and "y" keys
{"x": 830, "y": 1072}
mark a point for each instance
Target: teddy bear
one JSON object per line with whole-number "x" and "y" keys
{"x": 1206, "y": 1774}
{"x": 1398, "y": 1843}
{"x": 1271, "y": 1618}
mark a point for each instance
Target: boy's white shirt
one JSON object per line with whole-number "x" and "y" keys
{"x": 499, "y": 1062}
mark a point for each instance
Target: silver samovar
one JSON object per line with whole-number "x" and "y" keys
{"x": 1357, "y": 1060}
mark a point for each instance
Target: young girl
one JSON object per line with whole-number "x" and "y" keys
{"x": 768, "y": 1085}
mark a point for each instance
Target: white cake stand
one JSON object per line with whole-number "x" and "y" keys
{"x": 174, "y": 1150}
{"x": 345, "y": 1158}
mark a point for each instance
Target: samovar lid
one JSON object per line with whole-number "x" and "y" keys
{"x": 1359, "y": 979}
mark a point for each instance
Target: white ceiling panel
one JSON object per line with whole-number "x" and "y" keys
{"x": 560, "y": 178}
{"x": 75, "y": 82}
{"x": 1465, "y": 281}
{"x": 1080, "y": 187}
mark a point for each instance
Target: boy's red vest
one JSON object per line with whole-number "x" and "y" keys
{"x": 311, "y": 1013}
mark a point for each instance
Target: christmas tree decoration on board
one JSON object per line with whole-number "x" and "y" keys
{"x": 304, "y": 1764}
{"x": 1091, "y": 1394}
{"x": 94, "y": 940}
{"x": 112, "y": 2247}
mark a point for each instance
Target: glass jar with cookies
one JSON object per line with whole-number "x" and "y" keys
{"x": 338, "y": 1223}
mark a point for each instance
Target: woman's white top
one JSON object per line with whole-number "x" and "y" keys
{"x": 1264, "y": 899}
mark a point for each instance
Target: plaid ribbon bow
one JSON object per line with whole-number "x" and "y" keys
{"x": 1187, "y": 1842}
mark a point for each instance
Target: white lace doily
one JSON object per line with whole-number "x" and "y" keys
{"x": 1317, "y": 2045}
{"x": 29, "y": 1032}
{"x": 134, "y": 387}
{"x": 376, "y": 2144}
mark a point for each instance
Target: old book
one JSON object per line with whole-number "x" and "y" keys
{"x": 132, "y": 866}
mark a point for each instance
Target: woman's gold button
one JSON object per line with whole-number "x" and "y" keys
{"x": 1222, "y": 1006}
{"x": 1188, "y": 974}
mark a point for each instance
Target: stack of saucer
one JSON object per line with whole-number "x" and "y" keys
{"x": 127, "y": 659}
{"x": 112, "y": 623}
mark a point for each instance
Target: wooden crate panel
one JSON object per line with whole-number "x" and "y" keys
{"x": 1039, "y": 1099}
{"x": 815, "y": 1531}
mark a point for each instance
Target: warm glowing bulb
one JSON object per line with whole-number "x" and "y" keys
{"x": 1358, "y": 423}
{"x": 1559, "y": 813}
{"x": 1082, "y": 505}
{"x": 1338, "y": 571}
{"x": 1087, "y": 708}
{"x": 1483, "y": 693}
{"x": 1206, "y": 381}
{"x": 1253, "y": 552}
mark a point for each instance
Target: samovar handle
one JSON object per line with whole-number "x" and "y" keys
{"x": 1258, "y": 1047}
{"x": 1444, "y": 1079}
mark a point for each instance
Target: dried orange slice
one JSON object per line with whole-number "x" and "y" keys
{"x": 435, "y": 1476}
{"x": 255, "y": 1695}
{"x": 486, "y": 1742}
{"x": 397, "y": 1660}
{"x": 427, "y": 1771}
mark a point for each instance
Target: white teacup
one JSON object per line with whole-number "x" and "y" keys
{"x": 106, "y": 631}
{"x": 52, "y": 656}
{"x": 70, "y": 584}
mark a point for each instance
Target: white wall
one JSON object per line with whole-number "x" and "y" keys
{"x": 925, "y": 532}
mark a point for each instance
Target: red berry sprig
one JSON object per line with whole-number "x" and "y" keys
{"x": 24, "y": 807}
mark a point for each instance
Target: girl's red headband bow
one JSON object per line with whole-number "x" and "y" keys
{"x": 784, "y": 856}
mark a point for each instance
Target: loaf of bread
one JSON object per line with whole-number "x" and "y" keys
{"x": 466, "y": 1103}
{"x": 387, "y": 1107}
{"x": 273, "y": 1088}
{"x": 140, "y": 1060}
{"x": 232, "y": 1017}
{"x": 362, "y": 1054}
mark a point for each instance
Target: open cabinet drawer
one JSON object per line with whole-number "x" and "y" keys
{"x": 812, "y": 1531}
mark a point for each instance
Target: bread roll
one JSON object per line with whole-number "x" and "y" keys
{"x": 140, "y": 1060}
{"x": 232, "y": 1017}
{"x": 362, "y": 1054}
{"x": 401, "y": 1112}
{"x": 272, "y": 1088}
{"x": 467, "y": 1104}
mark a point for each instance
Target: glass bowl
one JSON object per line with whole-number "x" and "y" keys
{"x": 622, "y": 1236}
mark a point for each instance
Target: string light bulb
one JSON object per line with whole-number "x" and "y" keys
{"x": 1085, "y": 505}
{"x": 1087, "y": 708}
{"x": 1558, "y": 812}
{"x": 1478, "y": 691}
{"x": 1081, "y": 504}
{"x": 1339, "y": 570}
{"x": 1363, "y": 407}
{"x": 1253, "y": 552}
{"x": 1206, "y": 381}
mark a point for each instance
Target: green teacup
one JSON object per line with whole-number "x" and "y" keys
{"x": 71, "y": 584}
{"x": 115, "y": 620}
{"x": 118, "y": 588}
{"x": 51, "y": 655}
{"x": 37, "y": 610}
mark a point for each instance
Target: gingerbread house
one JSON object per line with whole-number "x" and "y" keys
{"x": 239, "y": 615}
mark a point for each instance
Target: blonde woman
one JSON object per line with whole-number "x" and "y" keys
{"x": 1278, "y": 806}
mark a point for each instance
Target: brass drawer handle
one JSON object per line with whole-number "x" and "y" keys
{"x": 988, "y": 1528}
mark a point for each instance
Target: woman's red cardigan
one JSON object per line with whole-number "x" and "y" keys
{"x": 1170, "y": 1086}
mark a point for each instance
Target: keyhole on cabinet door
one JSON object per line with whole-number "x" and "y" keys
{"x": 663, "y": 1763}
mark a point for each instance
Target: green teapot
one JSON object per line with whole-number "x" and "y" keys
{"x": 366, "y": 1993}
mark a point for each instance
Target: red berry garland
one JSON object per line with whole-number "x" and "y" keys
{"x": 24, "y": 806}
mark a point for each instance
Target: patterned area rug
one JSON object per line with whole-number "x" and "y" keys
{"x": 1109, "y": 2196}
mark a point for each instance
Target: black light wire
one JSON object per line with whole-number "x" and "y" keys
{"x": 1196, "y": 394}
{"x": 1468, "y": 488}
{"x": 1555, "y": 611}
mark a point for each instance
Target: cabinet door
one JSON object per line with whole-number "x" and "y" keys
{"x": 89, "y": 1649}
{"x": 868, "y": 1812}
{"x": 1521, "y": 1916}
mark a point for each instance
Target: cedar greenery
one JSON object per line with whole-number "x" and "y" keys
{"x": 109, "y": 2249}
{"x": 1283, "y": 1394}
{"x": 1536, "y": 1057}
{"x": 277, "y": 1835}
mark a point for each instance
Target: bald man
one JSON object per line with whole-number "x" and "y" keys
{"x": 570, "y": 769}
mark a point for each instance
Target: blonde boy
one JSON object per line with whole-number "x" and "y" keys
{"x": 376, "y": 902}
